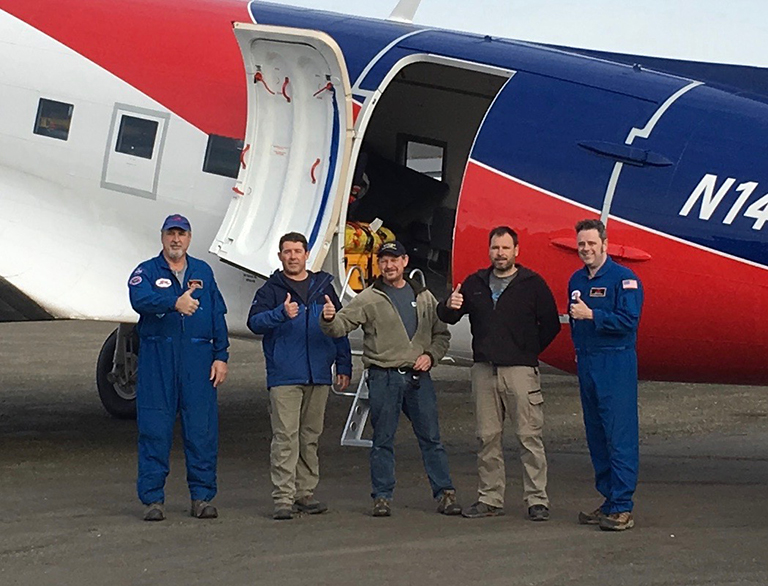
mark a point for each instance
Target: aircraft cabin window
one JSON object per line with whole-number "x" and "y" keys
{"x": 422, "y": 155}
{"x": 53, "y": 119}
{"x": 136, "y": 136}
{"x": 222, "y": 156}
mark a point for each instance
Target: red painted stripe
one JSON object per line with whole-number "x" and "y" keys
{"x": 182, "y": 54}
{"x": 703, "y": 318}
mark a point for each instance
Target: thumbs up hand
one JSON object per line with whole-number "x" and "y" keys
{"x": 580, "y": 310}
{"x": 456, "y": 300}
{"x": 291, "y": 307}
{"x": 186, "y": 304}
{"x": 329, "y": 309}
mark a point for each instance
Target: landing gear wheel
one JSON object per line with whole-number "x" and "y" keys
{"x": 117, "y": 386}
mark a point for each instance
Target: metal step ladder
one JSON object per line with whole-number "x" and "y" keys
{"x": 352, "y": 435}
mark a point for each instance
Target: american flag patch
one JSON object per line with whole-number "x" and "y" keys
{"x": 629, "y": 284}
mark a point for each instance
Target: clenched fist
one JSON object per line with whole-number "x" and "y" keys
{"x": 456, "y": 300}
{"x": 291, "y": 307}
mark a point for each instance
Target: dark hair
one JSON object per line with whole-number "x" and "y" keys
{"x": 592, "y": 225}
{"x": 500, "y": 231}
{"x": 294, "y": 237}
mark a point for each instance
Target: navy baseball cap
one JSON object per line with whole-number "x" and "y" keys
{"x": 392, "y": 248}
{"x": 176, "y": 221}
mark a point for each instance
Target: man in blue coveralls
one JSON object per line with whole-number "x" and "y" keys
{"x": 605, "y": 304}
{"x": 182, "y": 360}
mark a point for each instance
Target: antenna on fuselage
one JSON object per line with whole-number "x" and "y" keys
{"x": 405, "y": 11}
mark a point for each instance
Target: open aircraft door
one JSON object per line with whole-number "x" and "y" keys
{"x": 295, "y": 159}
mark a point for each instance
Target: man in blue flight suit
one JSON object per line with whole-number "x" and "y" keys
{"x": 299, "y": 357}
{"x": 605, "y": 304}
{"x": 182, "y": 360}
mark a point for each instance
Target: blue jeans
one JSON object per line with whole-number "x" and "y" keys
{"x": 389, "y": 392}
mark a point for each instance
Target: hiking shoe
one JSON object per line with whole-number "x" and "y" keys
{"x": 203, "y": 510}
{"x": 282, "y": 512}
{"x": 617, "y": 521}
{"x": 592, "y": 518}
{"x": 381, "y": 507}
{"x": 154, "y": 512}
{"x": 447, "y": 505}
{"x": 480, "y": 509}
{"x": 309, "y": 504}
{"x": 538, "y": 513}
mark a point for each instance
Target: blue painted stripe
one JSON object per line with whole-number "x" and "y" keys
{"x": 334, "y": 155}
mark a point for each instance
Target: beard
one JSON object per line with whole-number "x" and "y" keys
{"x": 503, "y": 265}
{"x": 175, "y": 253}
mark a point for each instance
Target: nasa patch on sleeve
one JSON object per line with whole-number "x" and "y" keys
{"x": 629, "y": 284}
{"x": 135, "y": 280}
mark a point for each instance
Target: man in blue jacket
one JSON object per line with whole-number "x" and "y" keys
{"x": 182, "y": 360}
{"x": 299, "y": 356}
{"x": 605, "y": 304}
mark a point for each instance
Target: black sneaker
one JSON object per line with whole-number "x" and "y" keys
{"x": 538, "y": 513}
{"x": 282, "y": 512}
{"x": 480, "y": 509}
{"x": 203, "y": 510}
{"x": 154, "y": 512}
{"x": 310, "y": 505}
{"x": 381, "y": 507}
{"x": 617, "y": 521}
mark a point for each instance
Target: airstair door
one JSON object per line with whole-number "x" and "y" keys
{"x": 296, "y": 152}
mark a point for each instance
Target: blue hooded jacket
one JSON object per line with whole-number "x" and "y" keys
{"x": 297, "y": 352}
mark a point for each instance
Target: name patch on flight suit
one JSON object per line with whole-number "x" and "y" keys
{"x": 195, "y": 284}
{"x": 163, "y": 283}
{"x": 597, "y": 292}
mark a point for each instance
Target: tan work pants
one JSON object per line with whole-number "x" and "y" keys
{"x": 514, "y": 391}
{"x": 297, "y": 414}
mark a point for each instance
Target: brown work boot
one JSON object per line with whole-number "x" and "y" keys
{"x": 447, "y": 504}
{"x": 154, "y": 512}
{"x": 617, "y": 521}
{"x": 592, "y": 518}
{"x": 203, "y": 510}
{"x": 310, "y": 505}
{"x": 481, "y": 509}
{"x": 282, "y": 512}
{"x": 381, "y": 507}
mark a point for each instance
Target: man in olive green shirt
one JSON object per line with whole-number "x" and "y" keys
{"x": 403, "y": 340}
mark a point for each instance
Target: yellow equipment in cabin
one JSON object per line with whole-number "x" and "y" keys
{"x": 361, "y": 243}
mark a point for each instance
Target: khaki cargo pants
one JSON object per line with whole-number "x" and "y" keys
{"x": 297, "y": 414}
{"x": 513, "y": 391}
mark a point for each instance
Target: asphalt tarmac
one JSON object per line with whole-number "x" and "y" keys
{"x": 69, "y": 513}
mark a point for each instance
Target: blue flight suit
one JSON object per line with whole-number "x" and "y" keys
{"x": 175, "y": 357}
{"x": 607, "y": 369}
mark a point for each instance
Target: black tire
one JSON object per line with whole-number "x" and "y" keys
{"x": 117, "y": 402}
